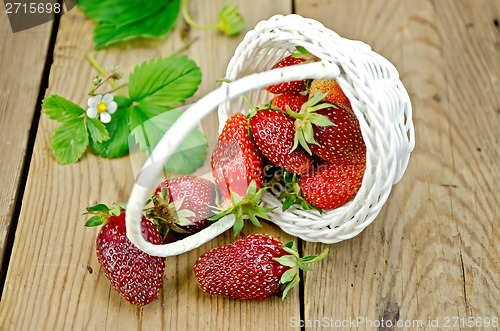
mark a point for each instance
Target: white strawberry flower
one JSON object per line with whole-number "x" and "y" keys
{"x": 102, "y": 105}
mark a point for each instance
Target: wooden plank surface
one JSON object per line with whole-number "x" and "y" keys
{"x": 431, "y": 254}
{"x": 21, "y": 75}
{"x": 433, "y": 251}
{"x": 54, "y": 281}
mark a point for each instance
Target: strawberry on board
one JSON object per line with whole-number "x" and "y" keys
{"x": 330, "y": 86}
{"x": 274, "y": 134}
{"x": 136, "y": 275}
{"x": 293, "y": 87}
{"x": 252, "y": 268}
{"x": 331, "y": 185}
{"x": 184, "y": 203}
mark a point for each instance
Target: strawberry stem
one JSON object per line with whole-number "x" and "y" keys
{"x": 293, "y": 194}
{"x": 103, "y": 72}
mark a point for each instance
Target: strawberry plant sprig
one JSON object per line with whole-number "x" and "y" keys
{"x": 109, "y": 123}
{"x": 230, "y": 22}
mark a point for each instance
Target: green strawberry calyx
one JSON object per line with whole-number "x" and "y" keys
{"x": 101, "y": 213}
{"x": 169, "y": 214}
{"x": 307, "y": 116}
{"x": 303, "y": 53}
{"x": 249, "y": 206}
{"x": 291, "y": 277}
{"x": 293, "y": 194}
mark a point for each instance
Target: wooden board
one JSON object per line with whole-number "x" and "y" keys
{"x": 21, "y": 72}
{"x": 432, "y": 253}
{"x": 54, "y": 281}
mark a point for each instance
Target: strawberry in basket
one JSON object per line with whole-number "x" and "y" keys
{"x": 273, "y": 133}
{"x": 326, "y": 127}
{"x": 295, "y": 102}
{"x": 294, "y": 87}
{"x": 136, "y": 275}
{"x": 237, "y": 168}
{"x": 327, "y": 186}
{"x": 253, "y": 268}
{"x": 333, "y": 90}
{"x": 328, "y": 130}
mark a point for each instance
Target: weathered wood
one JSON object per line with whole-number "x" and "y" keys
{"x": 432, "y": 253}
{"x": 54, "y": 281}
{"x": 21, "y": 72}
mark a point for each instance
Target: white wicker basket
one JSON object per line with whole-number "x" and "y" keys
{"x": 378, "y": 99}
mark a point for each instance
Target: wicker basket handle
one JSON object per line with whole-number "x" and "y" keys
{"x": 153, "y": 166}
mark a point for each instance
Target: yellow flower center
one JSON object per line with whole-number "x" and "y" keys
{"x": 101, "y": 107}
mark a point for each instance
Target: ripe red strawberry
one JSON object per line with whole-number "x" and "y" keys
{"x": 293, "y": 87}
{"x": 185, "y": 202}
{"x": 237, "y": 168}
{"x": 136, "y": 275}
{"x": 252, "y": 268}
{"x": 342, "y": 142}
{"x": 236, "y": 160}
{"x": 295, "y": 102}
{"x": 274, "y": 134}
{"x": 329, "y": 130}
{"x": 330, "y": 86}
{"x": 331, "y": 185}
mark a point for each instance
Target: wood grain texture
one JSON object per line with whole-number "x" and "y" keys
{"x": 433, "y": 250}
{"x": 432, "y": 253}
{"x": 53, "y": 280}
{"x": 21, "y": 73}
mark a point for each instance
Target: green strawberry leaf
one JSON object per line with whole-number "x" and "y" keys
{"x": 60, "y": 109}
{"x": 289, "y": 201}
{"x": 302, "y": 50}
{"x": 164, "y": 81}
{"x": 254, "y": 219}
{"x": 70, "y": 140}
{"x": 314, "y": 258}
{"x": 320, "y": 120}
{"x": 100, "y": 207}
{"x": 123, "y": 20}
{"x": 148, "y": 130}
{"x": 288, "y": 276}
{"x": 95, "y": 221}
{"x": 295, "y": 280}
{"x": 309, "y": 133}
{"x": 118, "y": 128}
{"x": 106, "y": 10}
{"x": 97, "y": 130}
{"x": 238, "y": 225}
{"x": 286, "y": 260}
